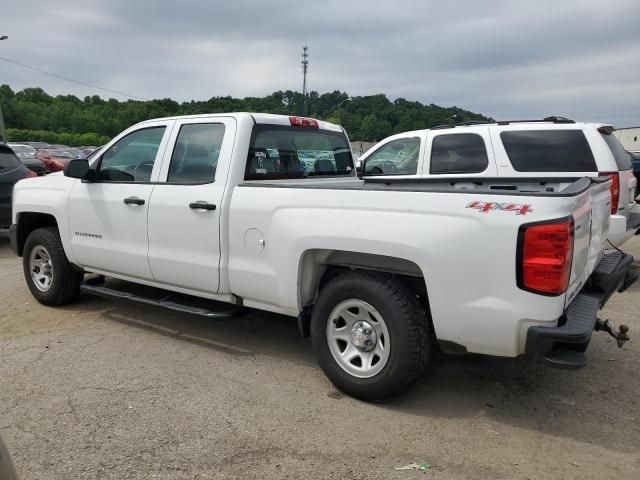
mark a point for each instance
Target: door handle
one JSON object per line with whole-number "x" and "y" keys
{"x": 134, "y": 201}
{"x": 202, "y": 205}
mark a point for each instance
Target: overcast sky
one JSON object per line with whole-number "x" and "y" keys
{"x": 502, "y": 58}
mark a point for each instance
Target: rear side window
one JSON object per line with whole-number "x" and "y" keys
{"x": 623, "y": 160}
{"x": 8, "y": 161}
{"x": 549, "y": 151}
{"x": 281, "y": 152}
{"x": 195, "y": 155}
{"x": 458, "y": 153}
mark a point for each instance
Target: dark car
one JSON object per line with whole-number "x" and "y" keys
{"x": 11, "y": 171}
{"x": 26, "y": 154}
{"x": 635, "y": 161}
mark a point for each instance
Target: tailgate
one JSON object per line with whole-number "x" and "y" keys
{"x": 591, "y": 214}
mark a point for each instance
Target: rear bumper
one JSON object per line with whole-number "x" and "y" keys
{"x": 563, "y": 346}
{"x": 622, "y": 228}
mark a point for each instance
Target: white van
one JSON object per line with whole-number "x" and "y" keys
{"x": 553, "y": 147}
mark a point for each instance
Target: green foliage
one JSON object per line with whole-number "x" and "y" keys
{"x": 368, "y": 118}
{"x": 71, "y": 139}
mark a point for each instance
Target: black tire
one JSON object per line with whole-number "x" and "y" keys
{"x": 407, "y": 323}
{"x": 65, "y": 284}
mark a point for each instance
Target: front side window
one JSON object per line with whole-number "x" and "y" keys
{"x": 195, "y": 155}
{"x": 458, "y": 153}
{"x": 279, "y": 152}
{"x": 398, "y": 157}
{"x": 131, "y": 158}
{"x": 548, "y": 151}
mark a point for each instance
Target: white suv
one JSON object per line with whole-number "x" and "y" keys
{"x": 553, "y": 147}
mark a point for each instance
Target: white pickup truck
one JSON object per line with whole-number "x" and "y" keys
{"x": 553, "y": 147}
{"x": 228, "y": 212}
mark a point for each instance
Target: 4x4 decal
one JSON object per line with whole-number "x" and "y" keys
{"x": 486, "y": 207}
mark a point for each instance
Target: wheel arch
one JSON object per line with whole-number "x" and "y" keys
{"x": 318, "y": 266}
{"x": 27, "y": 222}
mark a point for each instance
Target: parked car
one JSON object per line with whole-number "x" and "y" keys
{"x": 85, "y": 151}
{"x": 54, "y": 159}
{"x": 551, "y": 148}
{"x": 26, "y": 154}
{"x": 635, "y": 161}
{"x": 376, "y": 271}
{"x": 37, "y": 145}
{"x": 11, "y": 171}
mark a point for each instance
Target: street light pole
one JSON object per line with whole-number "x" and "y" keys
{"x": 348, "y": 99}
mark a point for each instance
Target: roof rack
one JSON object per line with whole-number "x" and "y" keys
{"x": 552, "y": 119}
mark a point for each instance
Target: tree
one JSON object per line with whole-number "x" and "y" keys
{"x": 371, "y": 117}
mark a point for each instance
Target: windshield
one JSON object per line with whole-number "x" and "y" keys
{"x": 280, "y": 152}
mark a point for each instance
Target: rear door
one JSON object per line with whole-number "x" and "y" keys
{"x": 11, "y": 170}
{"x": 185, "y": 207}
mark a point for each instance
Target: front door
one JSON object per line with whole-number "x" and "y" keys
{"x": 186, "y": 205}
{"x": 108, "y": 216}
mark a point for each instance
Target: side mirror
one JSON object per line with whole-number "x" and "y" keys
{"x": 359, "y": 168}
{"x": 77, "y": 168}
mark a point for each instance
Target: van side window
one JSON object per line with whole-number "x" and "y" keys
{"x": 398, "y": 157}
{"x": 548, "y": 151}
{"x": 195, "y": 154}
{"x": 458, "y": 153}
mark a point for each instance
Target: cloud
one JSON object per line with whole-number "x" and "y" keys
{"x": 506, "y": 59}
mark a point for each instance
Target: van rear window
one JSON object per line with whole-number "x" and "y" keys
{"x": 549, "y": 151}
{"x": 281, "y": 152}
{"x": 623, "y": 159}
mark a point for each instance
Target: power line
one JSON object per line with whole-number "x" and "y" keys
{"x": 72, "y": 80}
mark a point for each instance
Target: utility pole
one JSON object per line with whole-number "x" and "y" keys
{"x": 3, "y": 135}
{"x": 305, "y": 69}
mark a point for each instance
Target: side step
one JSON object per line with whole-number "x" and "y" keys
{"x": 164, "y": 299}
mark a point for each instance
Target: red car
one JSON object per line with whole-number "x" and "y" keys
{"x": 54, "y": 159}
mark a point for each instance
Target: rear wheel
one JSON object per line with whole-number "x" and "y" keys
{"x": 49, "y": 275}
{"x": 371, "y": 335}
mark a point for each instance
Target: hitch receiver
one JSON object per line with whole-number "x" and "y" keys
{"x": 621, "y": 334}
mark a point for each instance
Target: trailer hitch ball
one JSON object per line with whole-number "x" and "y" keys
{"x": 621, "y": 334}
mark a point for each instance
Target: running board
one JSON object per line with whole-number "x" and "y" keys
{"x": 165, "y": 299}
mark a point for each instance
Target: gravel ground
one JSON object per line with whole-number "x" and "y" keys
{"x": 101, "y": 389}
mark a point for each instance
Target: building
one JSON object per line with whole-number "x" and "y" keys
{"x": 629, "y": 138}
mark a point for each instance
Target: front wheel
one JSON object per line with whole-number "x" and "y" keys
{"x": 370, "y": 334}
{"x": 51, "y": 278}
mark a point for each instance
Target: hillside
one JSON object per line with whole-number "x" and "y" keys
{"x": 32, "y": 114}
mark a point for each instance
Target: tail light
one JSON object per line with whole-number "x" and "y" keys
{"x": 303, "y": 122}
{"x": 545, "y": 251}
{"x": 615, "y": 189}
{"x": 30, "y": 174}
